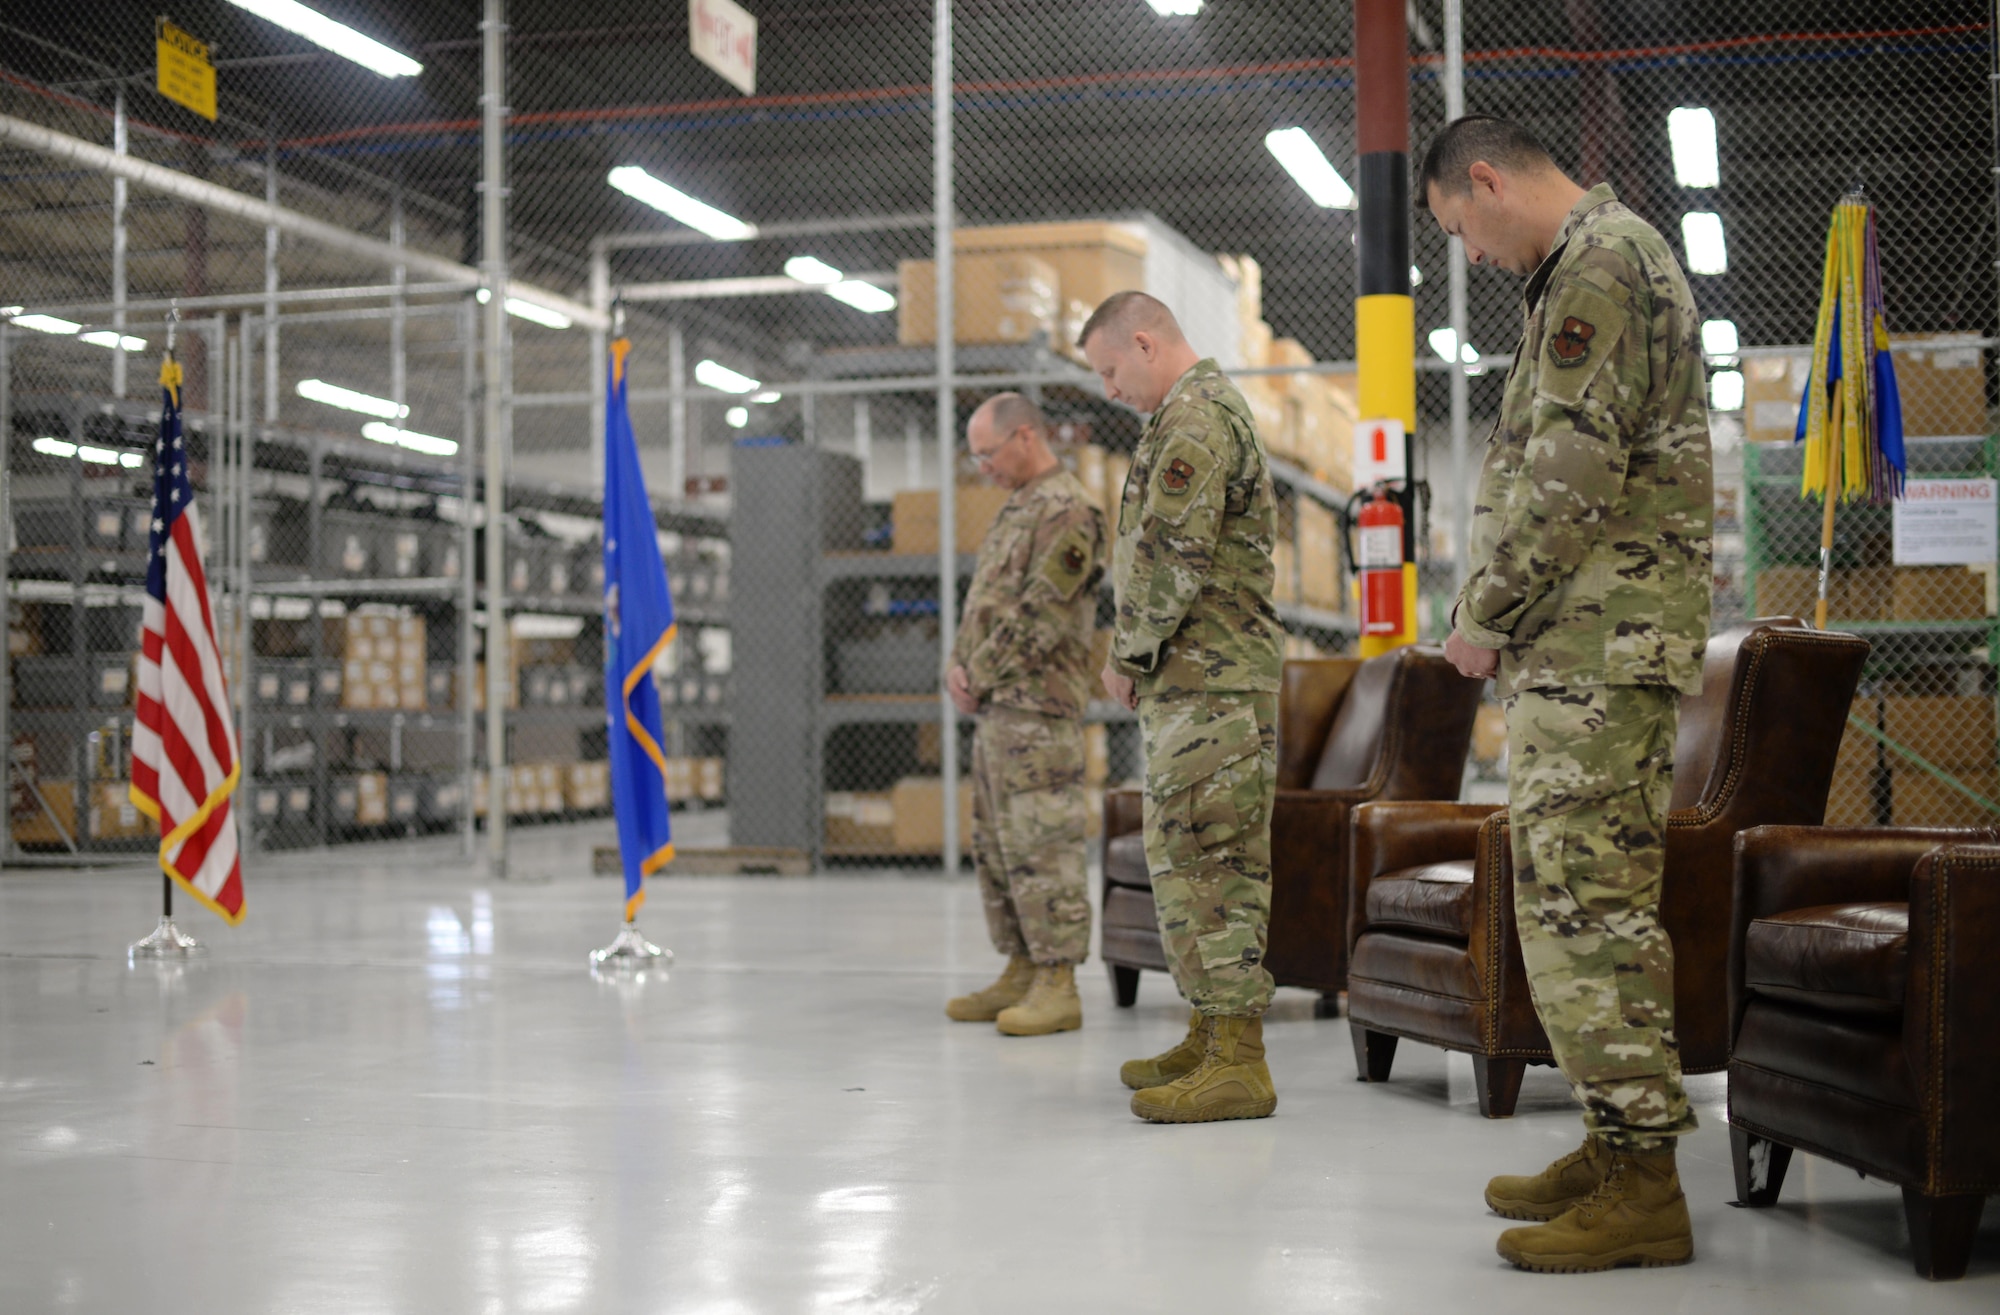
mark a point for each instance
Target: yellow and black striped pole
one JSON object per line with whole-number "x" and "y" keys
{"x": 1385, "y": 326}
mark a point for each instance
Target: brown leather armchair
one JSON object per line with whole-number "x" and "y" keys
{"x": 1393, "y": 727}
{"x": 1865, "y": 996}
{"x": 1433, "y": 953}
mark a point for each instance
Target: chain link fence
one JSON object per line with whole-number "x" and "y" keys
{"x": 783, "y": 369}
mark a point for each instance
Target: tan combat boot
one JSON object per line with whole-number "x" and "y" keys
{"x": 1050, "y": 1005}
{"x": 983, "y": 1006}
{"x": 1637, "y": 1216}
{"x": 1161, "y": 1069}
{"x": 1556, "y": 1188}
{"x": 1231, "y": 1083}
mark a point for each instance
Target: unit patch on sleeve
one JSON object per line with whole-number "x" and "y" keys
{"x": 1571, "y": 344}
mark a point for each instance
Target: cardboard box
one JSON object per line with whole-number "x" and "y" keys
{"x": 1091, "y": 260}
{"x": 1096, "y": 754}
{"x": 1947, "y": 732}
{"x": 914, "y": 514}
{"x": 32, "y": 826}
{"x": 1942, "y": 380}
{"x": 1860, "y": 594}
{"x": 1086, "y": 461}
{"x": 1772, "y": 386}
{"x": 997, "y": 298}
{"x": 1937, "y": 593}
{"x": 918, "y": 802}
{"x": 1917, "y": 798}
{"x": 708, "y": 779}
{"x": 860, "y": 820}
{"x": 1853, "y": 799}
{"x": 113, "y": 815}
{"x": 1285, "y": 571}
{"x": 1319, "y": 555}
{"x": 1100, "y": 656}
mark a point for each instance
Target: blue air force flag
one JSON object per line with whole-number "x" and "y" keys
{"x": 638, "y": 624}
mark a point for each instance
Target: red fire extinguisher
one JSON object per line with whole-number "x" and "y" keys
{"x": 1380, "y": 559}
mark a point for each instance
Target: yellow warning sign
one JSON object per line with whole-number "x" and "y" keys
{"x": 186, "y": 76}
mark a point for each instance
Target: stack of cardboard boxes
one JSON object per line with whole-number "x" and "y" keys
{"x": 382, "y": 662}
{"x": 1954, "y": 738}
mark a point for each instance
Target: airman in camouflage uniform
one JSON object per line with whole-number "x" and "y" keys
{"x": 1589, "y": 604}
{"x": 1197, "y": 651}
{"x": 1022, "y": 665}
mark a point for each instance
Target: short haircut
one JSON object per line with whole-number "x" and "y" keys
{"x": 1464, "y": 142}
{"x": 1007, "y": 412}
{"x": 1129, "y": 313}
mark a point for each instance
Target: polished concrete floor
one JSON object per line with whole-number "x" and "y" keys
{"x": 398, "y": 1088}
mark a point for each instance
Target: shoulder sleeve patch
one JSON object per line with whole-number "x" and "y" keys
{"x": 1184, "y": 469}
{"x": 1070, "y": 562}
{"x": 1581, "y": 331}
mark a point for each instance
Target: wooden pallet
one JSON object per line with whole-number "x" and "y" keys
{"x": 728, "y": 861}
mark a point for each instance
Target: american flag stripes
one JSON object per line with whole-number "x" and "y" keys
{"x": 184, "y": 763}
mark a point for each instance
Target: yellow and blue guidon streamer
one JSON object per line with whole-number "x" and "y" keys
{"x": 638, "y": 625}
{"x": 1851, "y": 328}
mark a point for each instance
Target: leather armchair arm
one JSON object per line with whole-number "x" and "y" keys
{"x": 1801, "y": 867}
{"x": 1388, "y": 836}
{"x": 1951, "y": 1011}
{"x": 1124, "y": 813}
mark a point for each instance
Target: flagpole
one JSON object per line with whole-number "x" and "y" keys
{"x": 165, "y": 941}
{"x": 1834, "y": 445}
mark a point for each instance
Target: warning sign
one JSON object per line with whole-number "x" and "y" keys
{"x": 186, "y": 77}
{"x": 1947, "y": 522}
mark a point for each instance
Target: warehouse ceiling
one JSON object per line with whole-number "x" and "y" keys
{"x": 1066, "y": 108}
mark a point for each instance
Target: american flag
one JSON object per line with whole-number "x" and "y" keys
{"x": 184, "y": 765}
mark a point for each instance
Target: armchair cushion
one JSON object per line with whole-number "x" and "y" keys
{"x": 1435, "y": 899}
{"x": 1125, "y": 862}
{"x": 1848, "y": 958}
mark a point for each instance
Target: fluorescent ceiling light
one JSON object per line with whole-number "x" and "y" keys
{"x": 528, "y": 310}
{"x": 737, "y": 416}
{"x": 1725, "y": 390}
{"x": 1309, "y": 168}
{"x": 1443, "y": 342}
{"x": 97, "y": 456}
{"x": 318, "y": 390}
{"x": 130, "y": 460}
{"x": 341, "y": 39}
{"x": 54, "y": 447}
{"x": 1691, "y": 130}
{"x": 1718, "y": 337}
{"x": 676, "y": 204}
{"x": 811, "y": 269}
{"x": 766, "y": 398}
{"x": 1701, "y": 232}
{"x": 1175, "y": 8}
{"x": 711, "y": 374}
{"x": 1416, "y": 277}
{"x": 853, "y": 292}
{"x": 106, "y": 338}
{"x": 45, "y": 324}
{"x": 408, "y": 438}
{"x": 862, "y": 296}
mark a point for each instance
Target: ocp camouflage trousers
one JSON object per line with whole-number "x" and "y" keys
{"x": 1590, "y": 773}
{"x": 1211, "y": 779}
{"x": 1028, "y": 823}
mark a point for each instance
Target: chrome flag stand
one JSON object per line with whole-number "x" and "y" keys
{"x": 166, "y": 941}
{"x": 630, "y": 949}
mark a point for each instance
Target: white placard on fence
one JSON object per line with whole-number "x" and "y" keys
{"x": 1948, "y": 522}
{"x": 724, "y": 37}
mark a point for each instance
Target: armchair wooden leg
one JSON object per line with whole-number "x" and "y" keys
{"x": 1499, "y": 1084}
{"x": 1941, "y": 1231}
{"x": 1374, "y": 1052}
{"x": 1124, "y": 984}
{"x": 1760, "y": 1167}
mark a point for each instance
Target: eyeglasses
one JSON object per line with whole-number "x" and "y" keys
{"x": 986, "y": 458}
